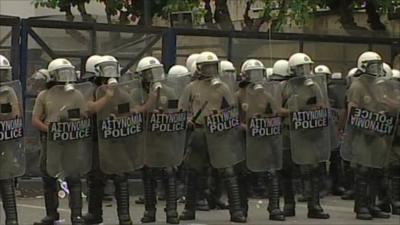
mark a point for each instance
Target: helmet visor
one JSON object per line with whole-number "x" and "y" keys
{"x": 375, "y": 68}
{"x": 5, "y": 75}
{"x": 256, "y": 75}
{"x": 209, "y": 69}
{"x": 303, "y": 70}
{"x": 108, "y": 69}
{"x": 65, "y": 75}
{"x": 154, "y": 74}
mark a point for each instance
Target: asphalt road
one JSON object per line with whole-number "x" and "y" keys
{"x": 32, "y": 209}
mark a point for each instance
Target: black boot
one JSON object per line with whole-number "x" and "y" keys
{"x": 203, "y": 190}
{"x": 323, "y": 179}
{"x": 122, "y": 197}
{"x": 274, "y": 210}
{"x": 215, "y": 200}
{"x": 395, "y": 195}
{"x": 311, "y": 179}
{"x": 361, "y": 197}
{"x": 336, "y": 173}
{"x": 232, "y": 186}
{"x": 171, "y": 204}
{"x": 191, "y": 193}
{"x": 374, "y": 182}
{"x": 349, "y": 194}
{"x": 75, "y": 200}
{"x": 383, "y": 201}
{"x": 95, "y": 199}
{"x": 289, "y": 208}
{"x": 9, "y": 204}
{"x": 50, "y": 201}
{"x": 149, "y": 215}
{"x": 243, "y": 188}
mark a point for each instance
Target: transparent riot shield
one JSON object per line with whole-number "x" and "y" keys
{"x": 12, "y": 152}
{"x": 224, "y": 137}
{"x": 166, "y": 125}
{"x": 178, "y": 84}
{"x": 371, "y": 122}
{"x": 120, "y": 126}
{"x": 395, "y": 96}
{"x": 309, "y": 119}
{"x": 263, "y": 136}
{"x": 69, "y": 140}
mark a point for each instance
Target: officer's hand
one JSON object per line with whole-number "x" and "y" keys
{"x": 46, "y": 129}
{"x": 191, "y": 125}
{"x": 110, "y": 91}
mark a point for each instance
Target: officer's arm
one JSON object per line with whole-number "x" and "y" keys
{"x": 38, "y": 114}
{"x": 96, "y": 106}
{"x": 151, "y": 101}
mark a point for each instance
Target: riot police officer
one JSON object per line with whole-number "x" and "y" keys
{"x": 104, "y": 71}
{"x": 207, "y": 97}
{"x": 260, "y": 103}
{"x": 305, "y": 93}
{"x": 11, "y": 150}
{"x": 164, "y": 147}
{"x": 367, "y": 148}
{"x": 62, "y": 102}
{"x": 280, "y": 71}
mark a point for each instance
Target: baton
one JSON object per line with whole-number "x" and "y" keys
{"x": 189, "y": 131}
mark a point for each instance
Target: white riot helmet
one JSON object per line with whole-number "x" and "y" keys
{"x": 191, "y": 59}
{"x": 396, "y": 74}
{"x": 350, "y": 75}
{"x": 281, "y": 68}
{"x": 207, "y": 64}
{"x": 388, "y": 70}
{"x": 178, "y": 71}
{"x": 269, "y": 72}
{"x": 300, "y": 64}
{"x": 61, "y": 70}
{"x": 228, "y": 69}
{"x": 150, "y": 69}
{"x": 107, "y": 66}
{"x": 193, "y": 69}
{"x": 253, "y": 71}
{"x": 323, "y": 70}
{"x": 370, "y": 63}
{"x": 91, "y": 62}
{"x": 5, "y": 69}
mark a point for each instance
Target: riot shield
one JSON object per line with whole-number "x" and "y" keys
{"x": 178, "y": 84}
{"x": 69, "y": 142}
{"x": 224, "y": 137}
{"x": 309, "y": 119}
{"x": 120, "y": 127}
{"x": 371, "y": 122}
{"x": 229, "y": 79}
{"x": 395, "y": 95}
{"x": 12, "y": 152}
{"x": 166, "y": 126}
{"x": 263, "y": 136}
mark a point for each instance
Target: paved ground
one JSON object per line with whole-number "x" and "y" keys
{"x": 31, "y": 209}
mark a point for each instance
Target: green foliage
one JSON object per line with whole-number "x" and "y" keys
{"x": 184, "y": 5}
{"x": 299, "y": 12}
{"x": 46, "y": 3}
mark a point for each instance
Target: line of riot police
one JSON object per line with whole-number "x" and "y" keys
{"x": 259, "y": 121}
